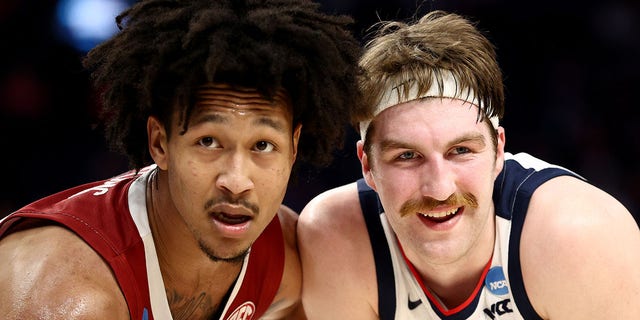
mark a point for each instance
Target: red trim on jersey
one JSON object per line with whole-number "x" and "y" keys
{"x": 264, "y": 272}
{"x": 434, "y": 300}
{"x": 99, "y": 213}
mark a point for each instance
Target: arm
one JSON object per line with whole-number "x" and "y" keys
{"x": 339, "y": 279}
{"x": 286, "y": 303}
{"x": 580, "y": 253}
{"x": 50, "y": 273}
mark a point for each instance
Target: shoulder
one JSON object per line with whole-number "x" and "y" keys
{"x": 49, "y": 271}
{"x": 569, "y": 209}
{"x": 334, "y": 219}
{"x": 287, "y": 300}
{"x": 337, "y": 258}
{"x": 333, "y": 211}
{"x": 578, "y": 239}
{"x": 288, "y": 222}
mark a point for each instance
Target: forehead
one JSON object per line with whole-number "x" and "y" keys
{"x": 223, "y": 97}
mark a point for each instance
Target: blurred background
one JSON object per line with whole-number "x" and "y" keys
{"x": 571, "y": 69}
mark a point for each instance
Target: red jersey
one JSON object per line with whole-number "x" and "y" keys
{"x": 111, "y": 216}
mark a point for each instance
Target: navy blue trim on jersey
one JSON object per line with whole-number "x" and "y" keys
{"x": 463, "y": 314}
{"x": 512, "y": 193}
{"x": 511, "y": 202}
{"x": 371, "y": 210}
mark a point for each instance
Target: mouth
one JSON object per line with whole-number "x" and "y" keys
{"x": 230, "y": 219}
{"x": 441, "y": 216}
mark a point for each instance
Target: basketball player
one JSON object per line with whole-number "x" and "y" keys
{"x": 448, "y": 225}
{"x": 212, "y": 101}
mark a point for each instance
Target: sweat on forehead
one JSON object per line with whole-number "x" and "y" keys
{"x": 444, "y": 87}
{"x": 225, "y": 92}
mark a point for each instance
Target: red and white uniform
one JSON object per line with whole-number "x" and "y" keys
{"x": 111, "y": 216}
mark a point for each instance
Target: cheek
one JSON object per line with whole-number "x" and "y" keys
{"x": 281, "y": 176}
{"x": 275, "y": 178}
{"x": 271, "y": 187}
{"x": 396, "y": 180}
{"x": 478, "y": 180}
{"x": 182, "y": 162}
{"x": 394, "y": 190}
{"x": 185, "y": 172}
{"x": 188, "y": 182}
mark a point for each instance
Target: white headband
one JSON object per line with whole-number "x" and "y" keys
{"x": 394, "y": 96}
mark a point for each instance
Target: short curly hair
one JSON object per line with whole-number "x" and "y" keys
{"x": 166, "y": 49}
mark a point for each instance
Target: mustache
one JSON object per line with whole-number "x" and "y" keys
{"x": 237, "y": 202}
{"x": 427, "y": 203}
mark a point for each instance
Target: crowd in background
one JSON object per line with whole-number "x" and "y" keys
{"x": 571, "y": 72}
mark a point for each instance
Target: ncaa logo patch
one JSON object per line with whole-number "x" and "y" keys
{"x": 244, "y": 311}
{"x": 496, "y": 282}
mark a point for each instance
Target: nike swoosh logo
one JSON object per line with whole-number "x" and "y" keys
{"x": 414, "y": 304}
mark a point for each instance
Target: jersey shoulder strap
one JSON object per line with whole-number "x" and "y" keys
{"x": 372, "y": 209}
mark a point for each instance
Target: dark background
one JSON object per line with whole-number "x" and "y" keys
{"x": 571, "y": 73}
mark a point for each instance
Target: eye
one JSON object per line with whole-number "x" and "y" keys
{"x": 461, "y": 150}
{"x": 264, "y": 146}
{"x": 407, "y": 155}
{"x": 209, "y": 143}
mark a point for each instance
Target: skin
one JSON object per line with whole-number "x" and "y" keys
{"x": 234, "y": 161}
{"x": 450, "y": 157}
{"x": 439, "y": 150}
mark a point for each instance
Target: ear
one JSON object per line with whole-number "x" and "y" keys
{"x": 364, "y": 162}
{"x": 500, "y": 151}
{"x": 157, "y": 136}
{"x": 296, "y": 139}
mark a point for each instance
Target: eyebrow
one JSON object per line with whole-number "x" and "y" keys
{"x": 474, "y": 137}
{"x": 277, "y": 125}
{"x": 388, "y": 144}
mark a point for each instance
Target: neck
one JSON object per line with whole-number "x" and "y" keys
{"x": 456, "y": 290}
{"x": 452, "y": 284}
{"x": 195, "y": 285}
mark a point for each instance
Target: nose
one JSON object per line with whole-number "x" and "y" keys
{"x": 234, "y": 175}
{"x": 437, "y": 179}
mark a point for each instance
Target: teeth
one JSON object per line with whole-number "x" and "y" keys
{"x": 231, "y": 219}
{"x": 440, "y": 214}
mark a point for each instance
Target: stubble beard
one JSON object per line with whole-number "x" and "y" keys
{"x": 236, "y": 259}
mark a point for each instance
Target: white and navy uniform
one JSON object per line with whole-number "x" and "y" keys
{"x": 500, "y": 293}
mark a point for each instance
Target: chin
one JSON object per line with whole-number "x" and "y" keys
{"x": 235, "y": 257}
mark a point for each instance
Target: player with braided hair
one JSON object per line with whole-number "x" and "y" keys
{"x": 213, "y": 102}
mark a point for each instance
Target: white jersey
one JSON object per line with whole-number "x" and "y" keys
{"x": 500, "y": 293}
